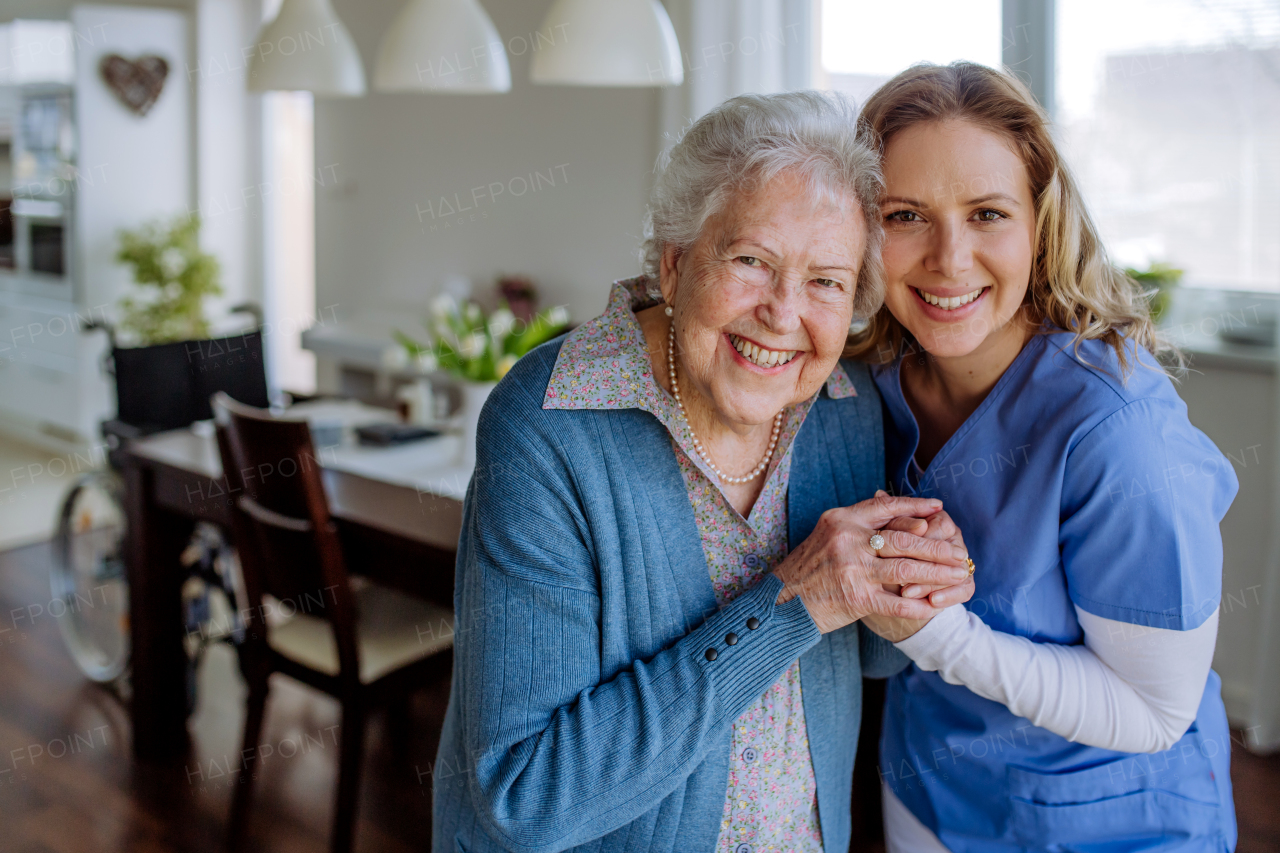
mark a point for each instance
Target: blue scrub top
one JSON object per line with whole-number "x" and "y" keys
{"x": 1072, "y": 487}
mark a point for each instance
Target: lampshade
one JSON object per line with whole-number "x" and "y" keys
{"x": 442, "y": 46}
{"x": 306, "y": 48}
{"x": 608, "y": 43}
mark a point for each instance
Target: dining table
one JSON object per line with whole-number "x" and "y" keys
{"x": 398, "y": 510}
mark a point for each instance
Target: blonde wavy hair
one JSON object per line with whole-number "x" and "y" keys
{"x": 1073, "y": 285}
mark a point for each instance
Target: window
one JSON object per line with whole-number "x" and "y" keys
{"x": 1169, "y": 113}
{"x": 864, "y": 44}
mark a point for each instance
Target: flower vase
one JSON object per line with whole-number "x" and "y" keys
{"x": 474, "y": 395}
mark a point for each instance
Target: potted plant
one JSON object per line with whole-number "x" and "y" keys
{"x": 1158, "y": 280}
{"x": 175, "y": 275}
{"x": 165, "y": 365}
{"x": 478, "y": 349}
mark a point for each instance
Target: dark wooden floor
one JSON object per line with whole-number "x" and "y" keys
{"x": 69, "y": 784}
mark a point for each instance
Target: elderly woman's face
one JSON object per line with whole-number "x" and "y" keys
{"x": 763, "y": 299}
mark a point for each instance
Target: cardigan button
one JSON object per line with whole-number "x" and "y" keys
{"x": 712, "y": 654}
{"x": 753, "y": 623}
{"x": 731, "y": 639}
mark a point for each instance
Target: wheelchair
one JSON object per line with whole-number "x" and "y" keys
{"x": 157, "y": 388}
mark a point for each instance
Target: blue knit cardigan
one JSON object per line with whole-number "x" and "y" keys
{"x": 584, "y": 712}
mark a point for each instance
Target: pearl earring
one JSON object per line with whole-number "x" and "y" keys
{"x": 668, "y": 310}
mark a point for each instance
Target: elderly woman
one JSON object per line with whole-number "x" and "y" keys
{"x": 656, "y": 600}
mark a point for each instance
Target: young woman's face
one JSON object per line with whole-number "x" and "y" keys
{"x": 959, "y": 223}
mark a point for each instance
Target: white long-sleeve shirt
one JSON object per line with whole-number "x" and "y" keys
{"x": 1128, "y": 688}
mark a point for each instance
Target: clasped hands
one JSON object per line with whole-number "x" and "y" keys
{"x": 920, "y": 570}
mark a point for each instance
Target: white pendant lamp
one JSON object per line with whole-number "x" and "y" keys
{"x": 608, "y": 43}
{"x": 306, "y": 48}
{"x": 442, "y": 46}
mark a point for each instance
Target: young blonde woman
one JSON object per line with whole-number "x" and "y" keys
{"x": 1070, "y": 704}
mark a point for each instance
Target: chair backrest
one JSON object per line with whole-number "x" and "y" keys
{"x": 168, "y": 386}
{"x": 289, "y": 544}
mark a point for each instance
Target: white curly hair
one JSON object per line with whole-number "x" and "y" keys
{"x": 749, "y": 140}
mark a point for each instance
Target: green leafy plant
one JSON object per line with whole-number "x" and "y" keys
{"x": 1158, "y": 280}
{"x": 471, "y": 346}
{"x": 174, "y": 275}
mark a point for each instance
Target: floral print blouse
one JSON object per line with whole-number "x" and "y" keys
{"x": 771, "y": 802}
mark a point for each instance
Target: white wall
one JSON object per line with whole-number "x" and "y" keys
{"x": 386, "y": 161}
{"x": 227, "y": 136}
{"x": 138, "y": 168}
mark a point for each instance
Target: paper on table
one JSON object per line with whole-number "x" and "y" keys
{"x": 429, "y": 465}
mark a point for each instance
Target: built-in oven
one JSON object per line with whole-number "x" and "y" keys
{"x": 9, "y": 100}
{"x": 8, "y": 259}
{"x": 40, "y": 227}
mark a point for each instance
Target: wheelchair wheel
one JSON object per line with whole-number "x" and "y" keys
{"x": 88, "y": 576}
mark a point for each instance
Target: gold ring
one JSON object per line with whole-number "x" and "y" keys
{"x": 876, "y": 542}
{"x": 972, "y": 567}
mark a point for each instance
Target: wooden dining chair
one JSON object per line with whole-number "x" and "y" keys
{"x": 365, "y": 644}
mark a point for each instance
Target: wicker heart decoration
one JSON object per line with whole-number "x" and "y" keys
{"x": 137, "y": 82}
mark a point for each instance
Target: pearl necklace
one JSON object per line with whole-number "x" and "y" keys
{"x": 697, "y": 445}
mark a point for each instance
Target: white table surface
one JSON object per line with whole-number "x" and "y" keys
{"x": 364, "y": 484}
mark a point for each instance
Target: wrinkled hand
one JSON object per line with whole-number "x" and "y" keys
{"x": 939, "y": 526}
{"x": 841, "y": 579}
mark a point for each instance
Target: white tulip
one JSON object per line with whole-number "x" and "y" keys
{"x": 443, "y": 306}
{"x": 427, "y": 361}
{"x": 501, "y": 322}
{"x": 471, "y": 346}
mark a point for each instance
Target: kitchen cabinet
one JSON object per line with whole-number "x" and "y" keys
{"x": 1231, "y": 395}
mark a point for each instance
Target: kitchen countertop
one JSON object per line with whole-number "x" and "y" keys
{"x": 1196, "y": 316}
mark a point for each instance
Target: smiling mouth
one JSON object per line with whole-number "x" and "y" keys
{"x": 949, "y": 303}
{"x": 759, "y": 355}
